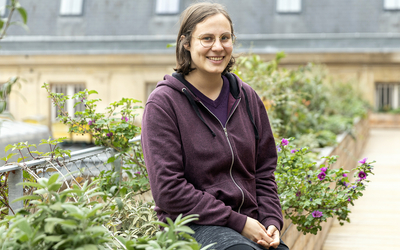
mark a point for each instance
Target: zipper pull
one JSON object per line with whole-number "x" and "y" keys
{"x": 226, "y": 133}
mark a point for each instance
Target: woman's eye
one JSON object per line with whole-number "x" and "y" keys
{"x": 207, "y": 38}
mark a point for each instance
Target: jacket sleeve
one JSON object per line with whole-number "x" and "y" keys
{"x": 269, "y": 207}
{"x": 173, "y": 194}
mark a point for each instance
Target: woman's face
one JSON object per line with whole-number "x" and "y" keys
{"x": 211, "y": 60}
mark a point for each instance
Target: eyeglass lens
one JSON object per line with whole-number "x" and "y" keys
{"x": 226, "y": 39}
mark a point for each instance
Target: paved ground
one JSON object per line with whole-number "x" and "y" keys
{"x": 375, "y": 218}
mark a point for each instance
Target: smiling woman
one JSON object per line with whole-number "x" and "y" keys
{"x": 207, "y": 142}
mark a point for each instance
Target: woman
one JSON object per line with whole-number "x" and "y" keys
{"x": 207, "y": 142}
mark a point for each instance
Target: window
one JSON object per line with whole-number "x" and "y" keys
{"x": 391, "y": 4}
{"x": 71, "y": 7}
{"x": 387, "y": 96}
{"x": 3, "y": 9}
{"x": 149, "y": 88}
{"x": 69, "y": 90}
{"x": 288, "y": 6}
{"x": 167, "y": 6}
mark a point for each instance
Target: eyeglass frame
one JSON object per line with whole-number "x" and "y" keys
{"x": 233, "y": 37}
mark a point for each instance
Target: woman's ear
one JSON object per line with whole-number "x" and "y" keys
{"x": 185, "y": 45}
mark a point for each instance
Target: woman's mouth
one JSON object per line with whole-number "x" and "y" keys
{"x": 216, "y": 58}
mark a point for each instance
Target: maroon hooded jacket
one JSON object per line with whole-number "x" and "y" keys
{"x": 196, "y": 165}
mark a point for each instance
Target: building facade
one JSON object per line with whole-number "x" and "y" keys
{"x": 119, "y": 47}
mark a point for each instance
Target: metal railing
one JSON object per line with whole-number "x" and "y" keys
{"x": 83, "y": 163}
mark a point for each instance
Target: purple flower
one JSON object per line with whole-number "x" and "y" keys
{"x": 323, "y": 169}
{"x": 321, "y": 176}
{"x": 363, "y": 161}
{"x": 349, "y": 199}
{"x": 311, "y": 199}
{"x": 110, "y": 134}
{"x": 309, "y": 182}
{"x": 362, "y": 175}
{"x": 278, "y": 148}
{"x": 344, "y": 175}
{"x": 298, "y": 193}
{"x": 317, "y": 214}
{"x": 125, "y": 118}
{"x": 353, "y": 187}
{"x": 91, "y": 122}
{"x": 293, "y": 151}
{"x": 285, "y": 142}
{"x": 345, "y": 184}
{"x": 137, "y": 173}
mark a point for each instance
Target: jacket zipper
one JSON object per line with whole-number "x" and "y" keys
{"x": 230, "y": 146}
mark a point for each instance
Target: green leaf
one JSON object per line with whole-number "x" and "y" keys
{"x": 96, "y": 229}
{"x": 88, "y": 247}
{"x": 111, "y": 159}
{"x": 27, "y": 197}
{"x": 92, "y": 92}
{"x": 53, "y": 238}
{"x": 185, "y": 229}
{"x": 8, "y": 147}
{"x": 120, "y": 204}
{"x": 53, "y": 179}
{"x": 30, "y": 184}
{"x": 170, "y": 45}
{"x": 23, "y": 225}
{"x": 10, "y": 155}
{"x": 54, "y": 187}
{"x": 57, "y": 206}
{"x": 21, "y": 158}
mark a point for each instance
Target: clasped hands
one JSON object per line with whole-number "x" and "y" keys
{"x": 256, "y": 232}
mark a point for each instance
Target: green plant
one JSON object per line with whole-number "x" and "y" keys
{"x": 174, "y": 236}
{"x": 55, "y": 154}
{"x": 112, "y": 129}
{"x": 64, "y": 220}
{"x": 309, "y": 195}
{"x": 136, "y": 219}
{"x": 301, "y": 101}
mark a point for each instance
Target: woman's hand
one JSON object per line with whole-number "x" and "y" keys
{"x": 273, "y": 232}
{"x": 256, "y": 232}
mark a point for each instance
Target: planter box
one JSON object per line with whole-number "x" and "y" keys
{"x": 348, "y": 149}
{"x": 384, "y": 120}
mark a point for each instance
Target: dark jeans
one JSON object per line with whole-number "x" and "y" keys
{"x": 282, "y": 246}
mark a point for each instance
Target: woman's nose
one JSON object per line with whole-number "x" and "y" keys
{"x": 217, "y": 45}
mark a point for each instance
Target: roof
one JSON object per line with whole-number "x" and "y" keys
{"x": 132, "y": 27}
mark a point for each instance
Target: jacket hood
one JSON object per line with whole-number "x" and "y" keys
{"x": 177, "y": 82}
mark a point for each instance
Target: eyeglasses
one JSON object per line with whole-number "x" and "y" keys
{"x": 208, "y": 40}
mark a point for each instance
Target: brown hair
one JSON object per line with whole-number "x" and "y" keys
{"x": 193, "y": 15}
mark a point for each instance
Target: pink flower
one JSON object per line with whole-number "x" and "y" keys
{"x": 317, "y": 214}
{"x": 362, "y": 175}
{"x": 110, "y": 134}
{"x": 349, "y": 199}
{"x": 323, "y": 169}
{"x": 344, "y": 175}
{"x": 91, "y": 122}
{"x": 285, "y": 142}
{"x": 125, "y": 118}
{"x": 293, "y": 151}
{"x": 321, "y": 176}
{"x": 363, "y": 161}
